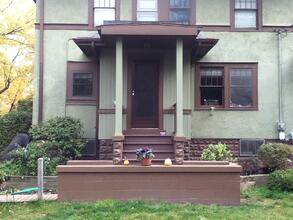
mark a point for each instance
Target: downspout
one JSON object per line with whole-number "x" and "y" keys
{"x": 281, "y": 33}
{"x": 41, "y": 61}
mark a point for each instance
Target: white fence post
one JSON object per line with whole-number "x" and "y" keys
{"x": 40, "y": 177}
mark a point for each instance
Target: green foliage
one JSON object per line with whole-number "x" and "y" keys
{"x": 3, "y": 174}
{"x": 216, "y": 152}
{"x": 144, "y": 153}
{"x": 249, "y": 166}
{"x": 65, "y": 133}
{"x": 12, "y": 123}
{"x": 25, "y": 105}
{"x": 256, "y": 207}
{"x": 281, "y": 180}
{"x": 275, "y": 156}
{"x": 24, "y": 160}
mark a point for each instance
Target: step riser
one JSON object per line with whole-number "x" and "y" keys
{"x": 156, "y": 139}
{"x": 133, "y": 147}
{"x": 162, "y": 156}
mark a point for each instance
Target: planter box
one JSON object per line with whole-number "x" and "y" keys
{"x": 207, "y": 184}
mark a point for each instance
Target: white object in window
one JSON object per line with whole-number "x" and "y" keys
{"x": 147, "y": 10}
{"x": 104, "y": 11}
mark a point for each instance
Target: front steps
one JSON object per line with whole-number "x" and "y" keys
{"x": 162, "y": 146}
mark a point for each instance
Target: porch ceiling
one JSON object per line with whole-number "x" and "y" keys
{"x": 146, "y": 36}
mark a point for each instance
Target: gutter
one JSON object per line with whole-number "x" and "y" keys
{"x": 41, "y": 62}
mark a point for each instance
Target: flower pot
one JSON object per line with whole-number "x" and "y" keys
{"x": 146, "y": 162}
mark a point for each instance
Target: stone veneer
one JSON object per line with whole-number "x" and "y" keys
{"x": 106, "y": 149}
{"x": 194, "y": 147}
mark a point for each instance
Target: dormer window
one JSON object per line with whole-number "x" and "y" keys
{"x": 147, "y": 10}
{"x": 105, "y": 10}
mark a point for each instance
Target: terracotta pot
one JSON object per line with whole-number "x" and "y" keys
{"x": 146, "y": 162}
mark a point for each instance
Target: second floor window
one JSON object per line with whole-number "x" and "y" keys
{"x": 180, "y": 11}
{"x": 245, "y": 13}
{"x": 147, "y": 10}
{"x": 104, "y": 11}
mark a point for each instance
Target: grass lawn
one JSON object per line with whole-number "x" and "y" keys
{"x": 258, "y": 203}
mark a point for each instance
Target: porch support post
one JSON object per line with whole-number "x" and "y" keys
{"x": 179, "y": 138}
{"x": 118, "y": 136}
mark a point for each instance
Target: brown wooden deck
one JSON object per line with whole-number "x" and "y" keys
{"x": 197, "y": 182}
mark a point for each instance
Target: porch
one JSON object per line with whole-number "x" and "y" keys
{"x": 151, "y": 98}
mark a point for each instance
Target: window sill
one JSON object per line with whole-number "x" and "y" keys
{"x": 81, "y": 101}
{"x": 224, "y": 109}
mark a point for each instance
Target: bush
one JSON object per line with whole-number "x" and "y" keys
{"x": 13, "y": 123}
{"x": 64, "y": 133}
{"x": 274, "y": 156}
{"x": 281, "y": 180}
{"x": 24, "y": 160}
{"x": 216, "y": 152}
{"x": 249, "y": 166}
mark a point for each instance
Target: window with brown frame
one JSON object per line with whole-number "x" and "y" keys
{"x": 226, "y": 86}
{"x": 104, "y": 10}
{"x": 82, "y": 82}
{"x": 180, "y": 11}
{"x": 245, "y": 13}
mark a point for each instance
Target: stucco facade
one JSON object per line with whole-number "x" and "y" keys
{"x": 67, "y": 19}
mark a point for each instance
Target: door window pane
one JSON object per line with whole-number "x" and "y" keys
{"x": 241, "y": 88}
{"x": 82, "y": 84}
{"x": 147, "y": 10}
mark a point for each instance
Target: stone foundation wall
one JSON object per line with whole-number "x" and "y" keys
{"x": 106, "y": 149}
{"x": 194, "y": 147}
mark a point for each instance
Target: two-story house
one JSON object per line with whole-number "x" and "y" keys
{"x": 175, "y": 75}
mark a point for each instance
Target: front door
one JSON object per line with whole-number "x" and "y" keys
{"x": 145, "y": 95}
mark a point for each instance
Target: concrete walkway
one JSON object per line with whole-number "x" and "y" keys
{"x": 26, "y": 198}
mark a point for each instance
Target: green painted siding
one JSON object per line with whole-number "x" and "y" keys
{"x": 36, "y": 79}
{"x": 126, "y": 10}
{"x": 87, "y": 116}
{"x": 278, "y": 12}
{"x": 248, "y": 47}
{"x": 66, "y": 11}
{"x": 213, "y": 12}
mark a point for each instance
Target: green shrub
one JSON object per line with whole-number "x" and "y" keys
{"x": 281, "y": 180}
{"x": 274, "y": 156}
{"x": 12, "y": 123}
{"x": 216, "y": 152}
{"x": 249, "y": 165}
{"x": 65, "y": 133}
{"x": 25, "y": 160}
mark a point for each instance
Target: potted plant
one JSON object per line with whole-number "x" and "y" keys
{"x": 145, "y": 156}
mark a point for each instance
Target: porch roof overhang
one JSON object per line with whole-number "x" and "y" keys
{"x": 142, "y": 36}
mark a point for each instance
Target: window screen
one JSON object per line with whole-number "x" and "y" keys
{"x": 82, "y": 84}
{"x": 104, "y": 11}
{"x": 90, "y": 148}
{"x": 147, "y": 10}
{"x": 245, "y": 13}
{"x": 212, "y": 86}
{"x": 241, "y": 88}
{"x": 250, "y": 147}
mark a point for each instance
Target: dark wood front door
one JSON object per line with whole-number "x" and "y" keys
{"x": 145, "y": 95}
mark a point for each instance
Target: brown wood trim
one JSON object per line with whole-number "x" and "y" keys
{"x": 91, "y": 14}
{"x": 172, "y": 111}
{"x": 227, "y": 66}
{"x": 109, "y": 111}
{"x": 259, "y": 17}
{"x": 41, "y": 62}
{"x": 82, "y": 67}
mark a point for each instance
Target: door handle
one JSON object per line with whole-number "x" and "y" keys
{"x": 132, "y": 93}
